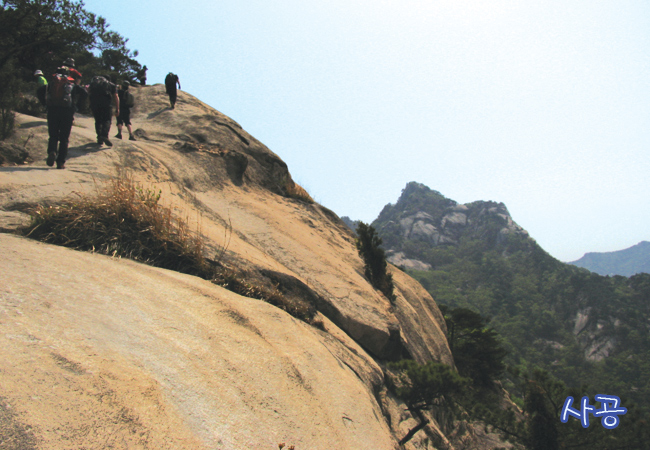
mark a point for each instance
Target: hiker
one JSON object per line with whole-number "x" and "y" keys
{"x": 101, "y": 92}
{"x": 60, "y": 96}
{"x": 74, "y": 73}
{"x": 40, "y": 79}
{"x": 124, "y": 118}
{"x": 142, "y": 76}
{"x": 171, "y": 80}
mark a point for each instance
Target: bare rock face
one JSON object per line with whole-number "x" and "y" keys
{"x": 595, "y": 336}
{"x": 97, "y": 351}
{"x": 400, "y": 260}
{"x": 100, "y": 352}
{"x": 424, "y": 216}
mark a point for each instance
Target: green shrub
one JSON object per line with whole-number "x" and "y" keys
{"x": 419, "y": 385}
{"x": 10, "y": 85}
{"x": 477, "y": 349}
{"x": 374, "y": 259}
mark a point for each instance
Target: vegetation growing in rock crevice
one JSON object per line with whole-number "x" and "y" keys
{"x": 479, "y": 398}
{"x": 477, "y": 349}
{"x": 127, "y": 220}
{"x": 374, "y": 259}
{"x": 423, "y": 386}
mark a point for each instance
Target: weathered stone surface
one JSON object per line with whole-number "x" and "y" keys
{"x": 454, "y": 219}
{"x": 98, "y": 351}
{"x": 400, "y": 260}
{"x": 173, "y": 359}
{"x": 582, "y": 318}
{"x": 13, "y": 220}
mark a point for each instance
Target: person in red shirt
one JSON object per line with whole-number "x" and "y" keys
{"x": 74, "y": 73}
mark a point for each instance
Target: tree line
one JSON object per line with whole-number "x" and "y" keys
{"x": 41, "y": 34}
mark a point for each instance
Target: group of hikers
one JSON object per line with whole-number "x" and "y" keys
{"x": 63, "y": 95}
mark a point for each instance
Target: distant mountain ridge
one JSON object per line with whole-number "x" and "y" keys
{"x": 573, "y": 323}
{"x": 627, "y": 262}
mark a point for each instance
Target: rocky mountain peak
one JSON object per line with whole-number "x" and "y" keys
{"x": 423, "y": 216}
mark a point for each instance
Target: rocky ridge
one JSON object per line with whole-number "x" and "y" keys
{"x": 439, "y": 221}
{"x": 100, "y": 351}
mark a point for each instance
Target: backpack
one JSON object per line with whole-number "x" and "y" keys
{"x": 129, "y": 100}
{"x": 59, "y": 91}
{"x": 100, "y": 92}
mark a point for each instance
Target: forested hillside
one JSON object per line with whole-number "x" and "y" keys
{"x": 579, "y": 326}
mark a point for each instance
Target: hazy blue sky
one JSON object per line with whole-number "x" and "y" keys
{"x": 541, "y": 104}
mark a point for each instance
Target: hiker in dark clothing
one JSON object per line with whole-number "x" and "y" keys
{"x": 61, "y": 96}
{"x": 171, "y": 80}
{"x": 142, "y": 76}
{"x": 101, "y": 92}
{"x": 126, "y": 103}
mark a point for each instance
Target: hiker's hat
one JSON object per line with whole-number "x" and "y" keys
{"x": 126, "y": 84}
{"x": 69, "y": 62}
{"x": 38, "y": 72}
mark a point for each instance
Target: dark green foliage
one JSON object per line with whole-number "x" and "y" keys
{"x": 540, "y": 428}
{"x": 534, "y": 302}
{"x": 533, "y": 299}
{"x": 41, "y": 34}
{"x": 477, "y": 351}
{"x": 420, "y": 385}
{"x": 368, "y": 245}
{"x": 542, "y": 422}
{"x": 9, "y": 84}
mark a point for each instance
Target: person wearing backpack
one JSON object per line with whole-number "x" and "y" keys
{"x": 127, "y": 101}
{"x": 101, "y": 93}
{"x": 142, "y": 76}
{"x": 74, "y": 73}
{"x": 60, "y": 95}
{"x": 40, "y": 78}
{"x": 171, "y": 80}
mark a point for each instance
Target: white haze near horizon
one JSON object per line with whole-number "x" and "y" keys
{"x": 544, "y": 105}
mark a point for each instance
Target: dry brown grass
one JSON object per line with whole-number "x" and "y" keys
{"x": 127, "y": 220}
{"x": 294, "y": 190}
{"x": 123, "y": 220}
{"x": 239, "y": 283}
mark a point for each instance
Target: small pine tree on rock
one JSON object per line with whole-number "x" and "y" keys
{"x": 374, "y": 258}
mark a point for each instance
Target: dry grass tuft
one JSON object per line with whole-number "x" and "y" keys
{"x": 127, "y": 220}
{"x": 238, "y": 283}
{"x": 294, "y": 190}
